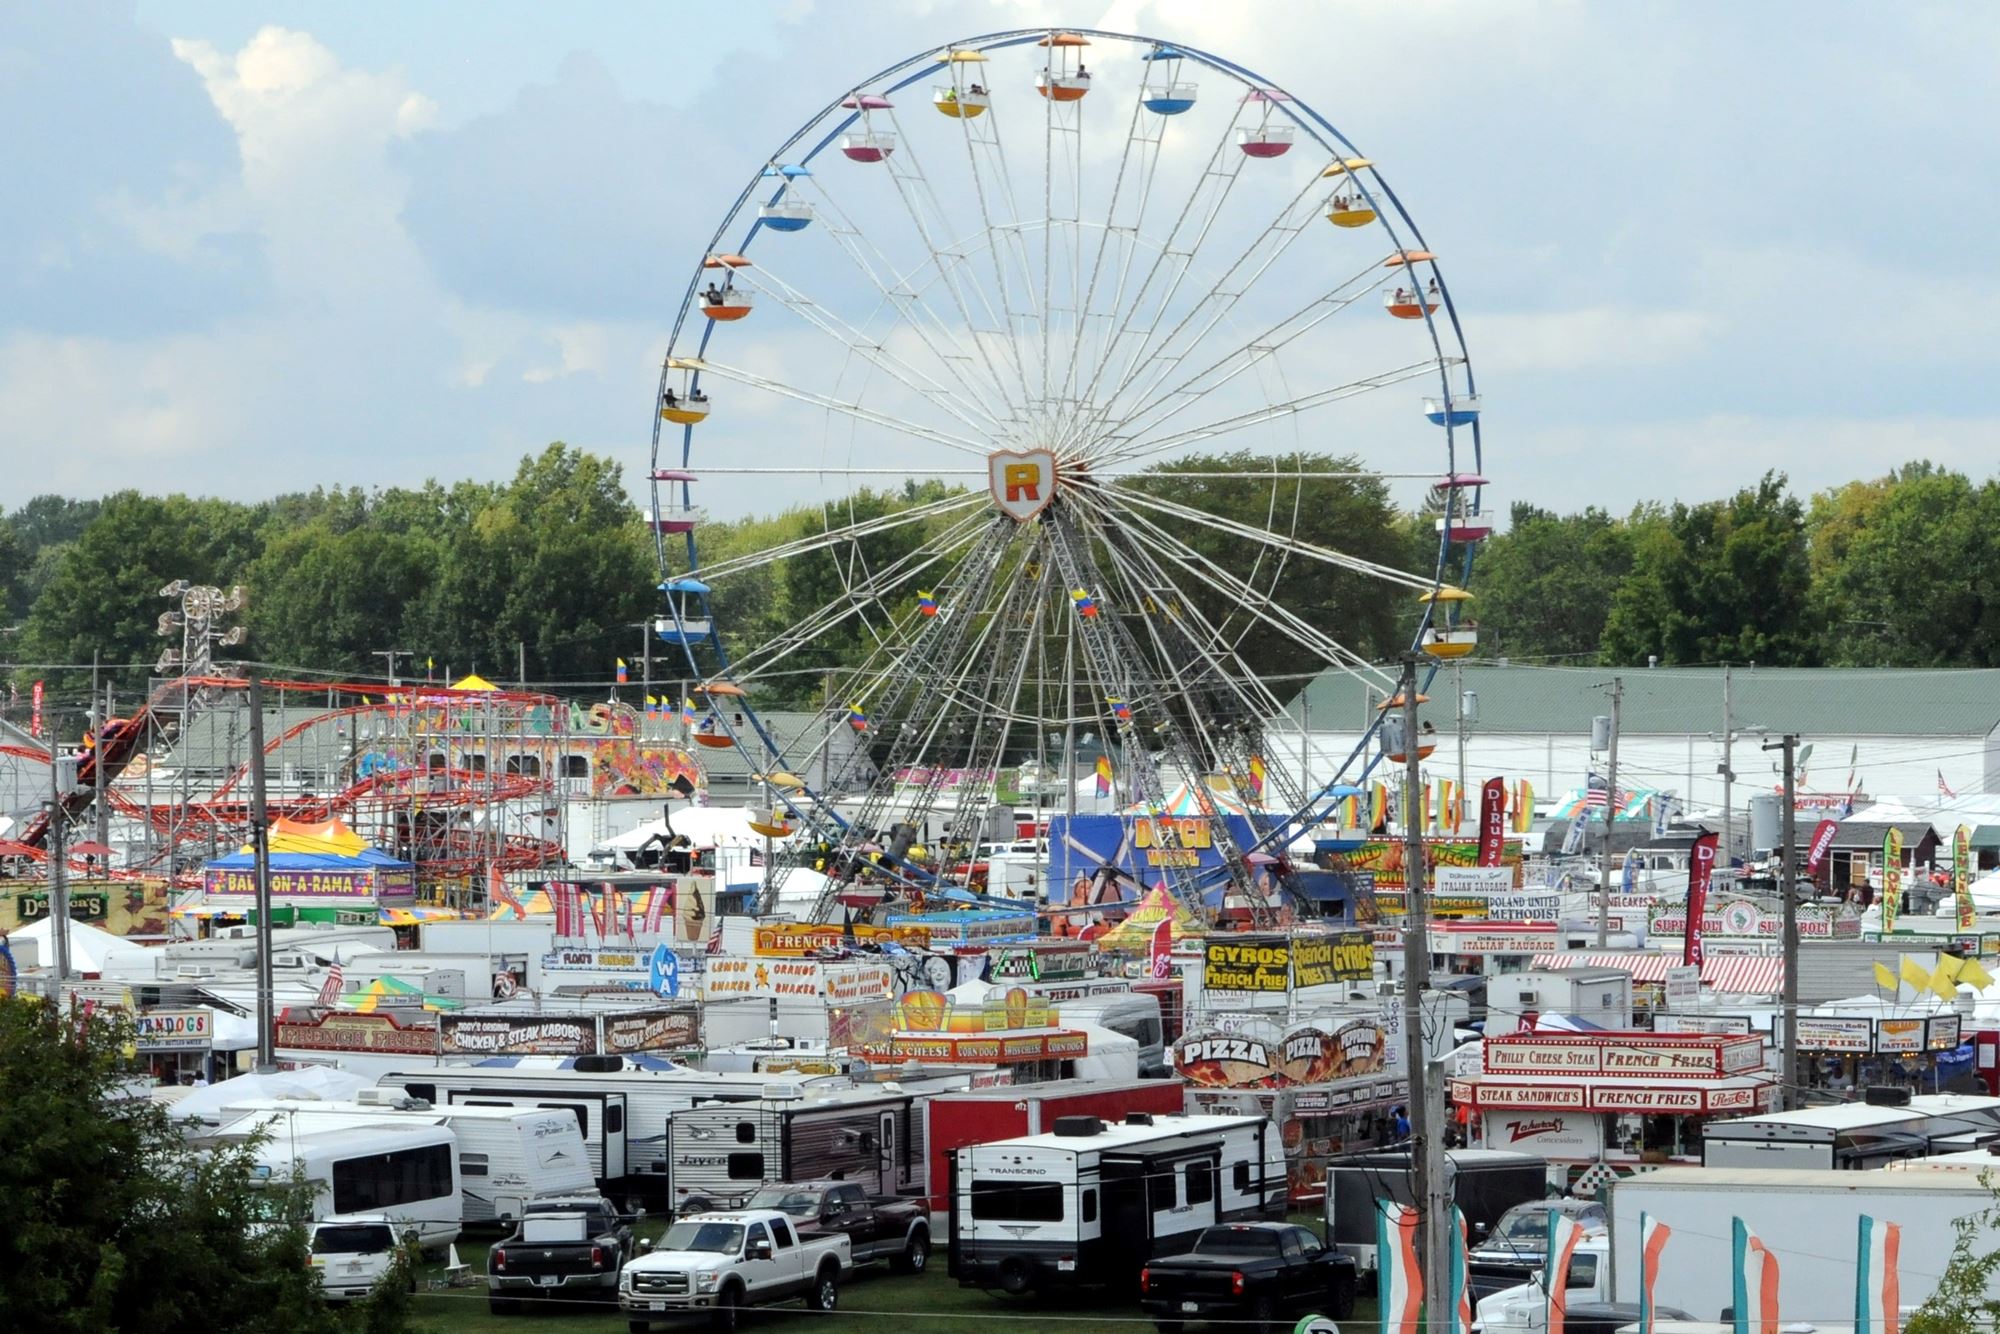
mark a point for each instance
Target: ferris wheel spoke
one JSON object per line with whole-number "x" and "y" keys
{"x": 1125, "y": 450}
{"x": 819, "y": 541}
{"x": 1265, "y": 343}
{"x": 1282, "y": 541}
{"x": 1006, "y": 244}
{"x": 871, "y": 416}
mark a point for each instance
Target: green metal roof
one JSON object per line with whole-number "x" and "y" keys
{"x": 1986, "y": 836}
{"x": 1676, "y": 701}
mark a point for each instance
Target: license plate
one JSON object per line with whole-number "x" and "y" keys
{"x": 1190, "y": 1306}
{"x": 547, "y": 1280}
{"x": 1065, "y": 1266}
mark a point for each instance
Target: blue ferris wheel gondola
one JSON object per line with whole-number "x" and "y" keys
{"x": 782, "y": 213}
{"x": 1170, "y": 95}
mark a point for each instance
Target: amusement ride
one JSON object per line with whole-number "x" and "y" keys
{"x": 1035, "y": 268}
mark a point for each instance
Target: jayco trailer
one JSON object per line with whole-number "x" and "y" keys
{"x": 1091, "y": 1203}
{"x": 722, "y": 1152}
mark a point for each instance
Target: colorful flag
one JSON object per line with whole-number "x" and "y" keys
{"x": 1892, "y": 879}
{"x": 1628, "y": 874}
{"x": 1564, "y": 1234}
{"x": 1120, "y": 709}
{"x": 926, "y": 603}
{"x": 1653, "y": 1236}
{"x": 329, "y": 990}
{"x": 656, "y": 908}
{"x": 1973, "y": 975}
{"x": 1878, "y": 1290}
{"x": 1944, "y": 978}
{"x": 35, "y": 717}
{"x": 1913, "y": 973}
{"x": 1822, "y": 841}
{"x": 1701, "y": 865}
{"x": 1257, "y": 776}
{"x": 1086, "y": 605}
{"x": 687, "y": 711}
{"x": 1524, "y": 807}
{"x": 1448, "y": 806}
{"x": 1378, "y": 806}
{"x": 1885, "y": 978}
{"x": 1158, "y": 962}
{"x": 1754, "y": 1274}
{"x": 1961, "y": 876}
{"x": 1103, "y": 775}
{"x": 1400, "y": 1282}
{"x": 563, "y": 897}
{"x": 1461, "y": 1290}
{"x": 621, "y": 671}
{"x": 1944, "y": 791}
{"x": 857, "y": 718}
{"x": 498, "y": 894}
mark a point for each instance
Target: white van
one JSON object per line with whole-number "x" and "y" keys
{"x": 350, "y": 1255}
{"x": 1136, "y": 1014}
{"x": 408, "y": 1174}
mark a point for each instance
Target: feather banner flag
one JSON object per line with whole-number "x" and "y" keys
{"x": 1378, "y": 805}
{"x": 1103, "y": 775}
{"x": 498, "y": 893}
{"x": 1961, "y": 876}
{"x": 1653, "y": 1236}
{"x": 1754, "y": 1280}
{"x": 1447, "y": 807}
{"x": 687, "y": 712}
{"x": 1878, "y": 1293}
{"x": 1524, "y": 807}
{"x": 622, "y": 671}
{"x": 1461, "y": 1289}
{"x": 1257, "y": 776}
{"x": 1564, "y": 1234}
{"x": 1892, "y": 879}
{"x": 1400, "y": 1282}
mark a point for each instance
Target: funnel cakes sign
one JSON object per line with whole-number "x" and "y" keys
{"x": 1266, "y": 1058}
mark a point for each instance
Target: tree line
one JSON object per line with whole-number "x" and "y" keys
{"x": 557, "y": 567}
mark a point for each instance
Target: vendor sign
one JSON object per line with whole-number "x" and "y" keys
{"x": 1323, "y": 960}
{"x": 652, "y": 1030}
{"x": 175, "y": 1030}
{"x": 799, "y": 939}
{"x": 949, "y": 1050}
{"x": 1247, "y": 963}
{"x": 527, "y": 1036}
{"x": 1836, "y": 1035}
{"x": 1744, "y": 919}
{"x": 354, "y": 1032}
{"x": 1253, "y": 1058}
{"x": 1384, "y": 859}
{"x": 1653, "y": 1056}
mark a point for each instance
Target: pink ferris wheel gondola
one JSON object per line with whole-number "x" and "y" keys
{"x": 1265, "y": 140}
{"x": 867, "y": 144}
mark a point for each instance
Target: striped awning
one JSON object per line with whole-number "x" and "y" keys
{"x": 1731, "y": 974}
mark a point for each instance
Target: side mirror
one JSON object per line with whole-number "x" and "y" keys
{"x": 410, "y": 1237}
{"x": 645, "y": 1243}
{"x": 760, "y": 1250}
{"x": 1481, "y": 1229}
{"x": 828, "y": 1209}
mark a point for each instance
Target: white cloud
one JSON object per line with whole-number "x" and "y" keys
{"x": 1590, "y": 339}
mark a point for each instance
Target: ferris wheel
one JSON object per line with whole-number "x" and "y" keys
{"x": 1100, "y": 309}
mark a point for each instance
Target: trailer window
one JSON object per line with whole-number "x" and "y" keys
{"x": 614, "y": 1117}
{"x": 746, "y": 1132}
{"x": 578, "y": 1110}
{"x": 388, "y": 1180}
{"x": 1160, "y": 1190}
{"x": 1239, "y": 1178}
{"x": 1200, "y": 1183}
{"x": 1090, "y": 1206}
{"x": 472, "y": 1164}
{"x": 428, "y": 1092}
{"x": 746, "y": 1167}
{"x": 1022, "y": 1202}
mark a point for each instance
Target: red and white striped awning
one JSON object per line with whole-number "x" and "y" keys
{"x": 1734, "y": 974}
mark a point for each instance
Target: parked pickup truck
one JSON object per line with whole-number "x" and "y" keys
{"x": 565, "y": 1246}
{"x": 877, "y": 1227}
{"x": 1248, "y": 1272}
{"x": 717, "y": 1264}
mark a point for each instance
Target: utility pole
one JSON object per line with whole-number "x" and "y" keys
{"x": 1426, "y": 1130}
{"x": 391, "y": 654}
{"x": 1788, "y": 886}
{"x": 1610, "y": 812}
{"x": 58, "y": 885}
{"x": 260, "y": 843}
{"x": 102, "y": 817}
{"x": 1458, "y": 713}
{"x": 646, "y": 660}
{"x": 1727, "y": 772}
{"x": 521, "y": 662}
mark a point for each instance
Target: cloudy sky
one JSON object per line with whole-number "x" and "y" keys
{"x": 253, "y": 247}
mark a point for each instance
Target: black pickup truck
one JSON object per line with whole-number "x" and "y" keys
{"x": 878, "y": 1227}
{"x": 1254, "y": 1272}
{"x": 566, "y": 1248}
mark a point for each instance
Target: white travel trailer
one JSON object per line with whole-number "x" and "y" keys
{"x": 1091, "y": 1203}
{"x": 409, "y": 1173}
{"x": 507, "y": 1156}
{"x": 722, "y": 1152}
{"x": 622, "y": 1104}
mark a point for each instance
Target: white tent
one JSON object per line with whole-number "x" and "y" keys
{"x": 89, "y": 946}
{"x": 323, "y": 1082}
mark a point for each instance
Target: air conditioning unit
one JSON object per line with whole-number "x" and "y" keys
{"x": 1530, "y": 998}
{"x": 195, "y": 972}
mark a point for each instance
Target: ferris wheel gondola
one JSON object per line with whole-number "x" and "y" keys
{"x": 786, "y": 213}
{"x": 1065, "y": 319}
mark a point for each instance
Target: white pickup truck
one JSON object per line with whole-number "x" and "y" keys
{"x": 1524, "y": 1309}
{"x": 716, "y": 1264}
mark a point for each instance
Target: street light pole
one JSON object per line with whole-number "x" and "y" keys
{"x": 1610, "y": 813}
{"x": 260, "y": 844}
{"x": 1788, "y": 887}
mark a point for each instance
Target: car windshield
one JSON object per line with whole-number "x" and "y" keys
{"x": 797, "y": 1203}
{"x": 1526, "y": 1226}
{"x": 350, "y": 1238}
{"x": 726, "y": 1238}
{"x": 1236, "y": 1241}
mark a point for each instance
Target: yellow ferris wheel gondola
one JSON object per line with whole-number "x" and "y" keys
{"x": 965, "y": 98}
{"x": 1348, "y": 207}
{"x": 686, "y": 404}
{"x": 1456, "y": 639}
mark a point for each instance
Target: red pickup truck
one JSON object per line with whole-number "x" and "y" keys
{"x": 878, "y": 1227}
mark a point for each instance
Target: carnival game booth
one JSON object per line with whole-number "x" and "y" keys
{"x": 1015, "y": 1037}
{"x": 318, "y": 873}
{"x": 1608, "y": 1100}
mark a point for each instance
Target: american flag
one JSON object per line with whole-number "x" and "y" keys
{"x": 1944, "y": 791}
{"x": 329, "y": 990}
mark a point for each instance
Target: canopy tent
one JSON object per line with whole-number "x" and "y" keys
{"x": 308, "y": 1081}
{"x": 322, "y": 864}
{"x": 89, "y": 946}
{"x": 1135, "y": 933}
{"x": 396, "y": 993}
{"x": 473, "y": 682}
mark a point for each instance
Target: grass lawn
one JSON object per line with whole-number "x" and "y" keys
{"x": 873, "y": 1300}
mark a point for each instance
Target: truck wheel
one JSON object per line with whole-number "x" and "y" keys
{"x": 1341, "y": 1300}
{"x": 1014, "y": 1278}
{"x": 1168, "y": 1326}
{"x": 503, "y": 1306}
{"x": 722, "y": 1317}
{"x": 639, "y": 1326}
{"x": 825, "y": 1294}
{"x": 1263, "y": 1312}
{"x": 915, "y": 1255}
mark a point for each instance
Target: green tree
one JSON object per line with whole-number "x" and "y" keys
{"x": 1722, "y": 581}
{"x": 113, "y": 1222}
{"x": 1545, "y": 585}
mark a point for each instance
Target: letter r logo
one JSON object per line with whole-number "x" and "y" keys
{"x": 1024, "y": 481}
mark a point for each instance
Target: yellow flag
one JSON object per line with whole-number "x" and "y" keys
{"x": 1950, "y": 965}
{"x": 1885, "y": 979}
{"x": 1914, "y": 974}
{"x": 1943, "y": 986}
{"x": 1973, "y": 975}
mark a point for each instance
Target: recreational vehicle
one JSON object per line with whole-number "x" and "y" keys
{"x": 507, "y": 1156}
{"x": 1091, "y": 1203}
{"x": 622, "y": 1104}
{"x": 408, "y": 1173}
{"x": 722, "y": 1152}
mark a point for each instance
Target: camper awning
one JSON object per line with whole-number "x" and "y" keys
{"x": 1734, "y": 974}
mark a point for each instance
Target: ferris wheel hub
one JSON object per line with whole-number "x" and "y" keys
{"x": 1023, "y": 482}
